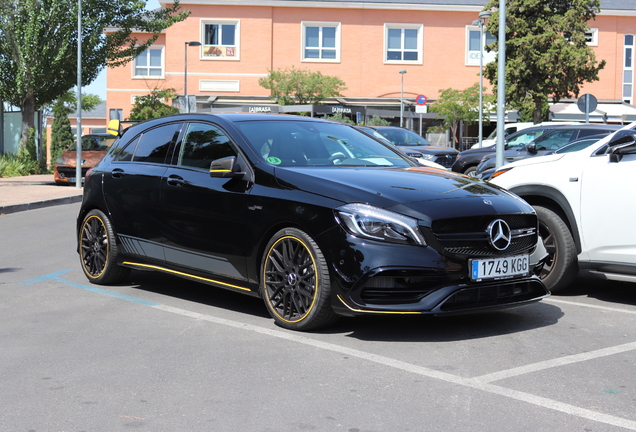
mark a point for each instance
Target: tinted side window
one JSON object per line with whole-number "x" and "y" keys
{"x": 587, "y": 132}
{"x": 124, "y": 154}
{"x": 155, "y": 143}
{"x": 202, "y": 144}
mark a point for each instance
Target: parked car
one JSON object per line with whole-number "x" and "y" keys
{"x": 316, "y": 217}
{"x": 546, "y": 144}
{"x": 577, "y": 145}
{"x": 511, "y": 128}
{"x": 418, "y": 156}
{"x": 582, "y": 199}
{"x": 468, "y": 160}
{"x": 408, "y": 140}
{"x": 94, "y": 147}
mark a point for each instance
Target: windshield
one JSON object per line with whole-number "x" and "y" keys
{"x": 303, "y": 143}
{"x": 403, "y": 137}
{"x": 95, "y": 143}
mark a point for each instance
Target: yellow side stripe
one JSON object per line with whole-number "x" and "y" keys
{"x": 378, "y": 311}
{"x": 185, "y": 274}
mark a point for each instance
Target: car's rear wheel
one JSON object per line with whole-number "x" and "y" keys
{"x": 561, "y": 266}
{"x": 98, "y": 250}
{"x": 295, "y": 282}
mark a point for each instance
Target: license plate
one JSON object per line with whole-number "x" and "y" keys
{"x": 499, "y": 268}
{"x": 72, "y": 179}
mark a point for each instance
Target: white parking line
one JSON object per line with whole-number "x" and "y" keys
{"x": 609, "y": 309}
{"x": 480, "y": 383}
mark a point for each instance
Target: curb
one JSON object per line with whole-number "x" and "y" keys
{"x": 39, "y": 204}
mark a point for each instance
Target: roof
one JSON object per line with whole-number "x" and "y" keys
{"x": 612, "y": 7}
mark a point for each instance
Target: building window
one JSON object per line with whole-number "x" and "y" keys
{"x": 628, "y": 69}
{"x": 591, "y": 37}
{"x": 149, "y": 63}
{"x": 321, "y": 42}
{"x": 473, "y": 45}
{"x": 220, "y": 39}
{"x": 403, "y": 43}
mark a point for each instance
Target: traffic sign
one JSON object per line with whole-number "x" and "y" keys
{"x": 420, "y": 100}
{"x": 587, "y": 103}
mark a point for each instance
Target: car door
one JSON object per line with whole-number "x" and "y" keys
{"x": 132, "y": 185}
{"x": 607, "y": 208}
{"x": 204, "y": 218}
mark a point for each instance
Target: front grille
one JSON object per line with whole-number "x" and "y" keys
{"x": 70, "y": 172}
{"x": 493, "y": 295}
{"x": 468, "y": 236}
{"x": 398, "y": 289}
{"x": 446, "y": 161}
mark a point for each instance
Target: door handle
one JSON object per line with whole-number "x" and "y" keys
{"x": 117, "y": 173}
{"x": 175, "y": 180}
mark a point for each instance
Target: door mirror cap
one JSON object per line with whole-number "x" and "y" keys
{"x": 622, "y": 142}
{"x": 225, "y": 168}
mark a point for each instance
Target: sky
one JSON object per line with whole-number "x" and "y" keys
{"x": 98, "y": 87}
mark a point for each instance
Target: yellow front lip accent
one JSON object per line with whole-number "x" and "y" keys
{"x": 163, "y": 269}
{"x": 372, "y": 311}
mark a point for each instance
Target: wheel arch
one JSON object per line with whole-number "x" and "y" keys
{"x": 554, "y": 200}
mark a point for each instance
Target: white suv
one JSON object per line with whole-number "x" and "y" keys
{"x": 585, "y": 201}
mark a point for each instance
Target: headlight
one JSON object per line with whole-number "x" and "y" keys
{"x": 374, "y": 223}
{"x": 428, "y": 156}
{"x": 60, "y": 161}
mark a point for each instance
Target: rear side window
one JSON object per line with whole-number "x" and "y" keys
{"x": 555, "y": 140}
{"x": 202, "y": 144}
{"x": 155, "y": 143}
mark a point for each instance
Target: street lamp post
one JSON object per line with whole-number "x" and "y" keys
{"x": 185, "y": 73}
{"x": 402, "y": 72}
{"x": 483, "y": 16}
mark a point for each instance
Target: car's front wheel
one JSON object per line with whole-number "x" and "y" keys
{"x": 295, "y": 282}
{"x": 561, "y": 266}
{"x": 98, "y": 250}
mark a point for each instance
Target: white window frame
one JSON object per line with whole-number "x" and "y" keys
{"x": 628, "y": 68}
{"x": 591, "y": 37}
{"x": 420, "y": 42}
{"x": 224, "y": 56}
{"x": 472, "y": 57}
{"x": 321, "y": 25}
{"x": 163, "y": 64}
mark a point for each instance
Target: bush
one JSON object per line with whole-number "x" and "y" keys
{"x": 24, "y": 163}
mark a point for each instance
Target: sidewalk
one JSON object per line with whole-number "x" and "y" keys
{"x": 33, "y": 192}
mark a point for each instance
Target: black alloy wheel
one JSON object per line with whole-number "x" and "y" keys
{"x": 561, "y": 266}
{"x": 295, "y": 282}
{"x": 98, "y": 251}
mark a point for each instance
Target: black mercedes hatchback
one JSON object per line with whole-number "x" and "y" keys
{"x": 316, "y": 217}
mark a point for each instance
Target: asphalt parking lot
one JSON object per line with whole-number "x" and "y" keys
{"x": 159, "y": 353}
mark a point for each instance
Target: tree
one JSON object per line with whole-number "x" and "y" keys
{"x": 546, "y": 51}
{"x": 153, "y": 105}
{"x": 300, "y": 87}
{"x": 38, "y": 45}
{"x": 454, "y": 106}
{"x": 61, "y": 133}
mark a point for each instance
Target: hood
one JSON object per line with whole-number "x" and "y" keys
{"x": 421, "y": 192}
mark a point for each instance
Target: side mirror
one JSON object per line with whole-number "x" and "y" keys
{"x": 531, "y": 147}
{"x": 225, "y": 168}
{"x": 622, "y": 142}
{"x": 114, "y": 128}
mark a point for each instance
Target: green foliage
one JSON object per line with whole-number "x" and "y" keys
{"x": 300, "y": 87}
{"x": 454, "y": 106}
{"x": 339, "y": 117}
{"x": 377, "y": 121}
{"x": 153, "y": 105}
{"x": 61, "y": 136}
{"x": 39, "y": 39}
{"x": 546, "y": 53}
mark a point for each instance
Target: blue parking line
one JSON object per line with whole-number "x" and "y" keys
{"x": 55, "y": 277}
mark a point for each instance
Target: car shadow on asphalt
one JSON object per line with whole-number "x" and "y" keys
{"x": 619, "y": 293}
{"x": 420, "y": 328}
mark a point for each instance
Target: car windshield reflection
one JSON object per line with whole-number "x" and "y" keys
{"x": 294, "y": 143}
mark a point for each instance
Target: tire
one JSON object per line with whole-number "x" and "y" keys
{"x": 470, "y": 171}
{"x": 295, "y": 283}
{"x": 98, "y": 250}
{"x": 561, "y": 266}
